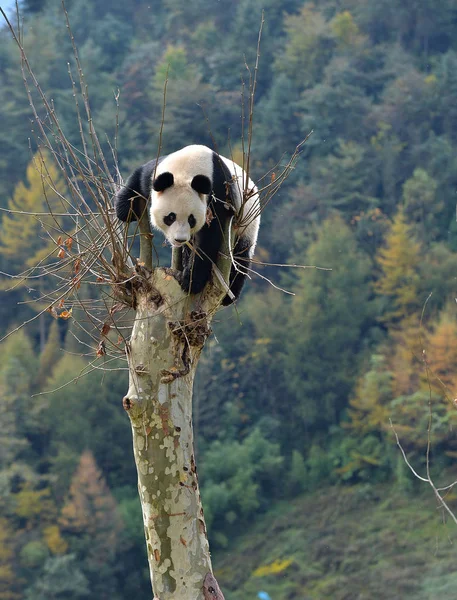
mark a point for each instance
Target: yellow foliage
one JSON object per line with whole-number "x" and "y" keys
{"x": 346, "y": 31}
{"x": 309, "y": 39}
{"x": 399, "y": 261}
{"x": 441, "y": 354}
{"x": 7, "y": 576}
{"x": 430, "y": 79}
{"x": 278, "y": 566}
{"x": 23, "y": 237}
{"x": 54, "y": 540}
{"x": 370, "y": 405}
{"x": 34, "y": 504}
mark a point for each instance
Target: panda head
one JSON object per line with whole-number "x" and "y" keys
{"x": 178, "y": 208}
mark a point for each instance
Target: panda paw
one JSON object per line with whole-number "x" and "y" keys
{"x": 193, "y": 281}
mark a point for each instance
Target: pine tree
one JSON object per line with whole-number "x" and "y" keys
{"x": 399, "y": 280}
{"x": 369, "y": 410}
{"x": 441, "y": 353}
{"x": 90, "y": 508}
{"x": 23, "y": 237}
{"x": 92, "y": 525}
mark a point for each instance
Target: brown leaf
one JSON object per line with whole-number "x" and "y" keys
{"x": 101, "y": 350}
{"x": 68, "y": 243}
{"x": 61, "y": 303}
{"x": 273, "y": 176}
{"x": 59, "y": 240}
{"x": 61, "y": 253}
{"x": 157, "y": 555}
{"x": 66, "y": 314}
{"x": 209, "y": 216}
{"x": 106, "y": 328}
{"x": 77, "y": 266}
{"x": 183, "y": 541}
{"x": 120, "y": 339}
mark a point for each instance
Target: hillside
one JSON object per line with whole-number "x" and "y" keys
{"x": 344, "y": 543}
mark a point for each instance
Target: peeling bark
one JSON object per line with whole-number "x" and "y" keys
{"x": 168, "y": 336}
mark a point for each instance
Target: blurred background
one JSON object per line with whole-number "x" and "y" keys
{"x": 306, "y": 494}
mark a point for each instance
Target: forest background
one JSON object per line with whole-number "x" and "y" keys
{"x": 306, "y": 494}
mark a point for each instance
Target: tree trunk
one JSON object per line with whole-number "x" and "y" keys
{"x": 169, "y": 333}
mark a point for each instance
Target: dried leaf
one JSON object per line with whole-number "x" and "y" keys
{"x": 61, "y": 253}
{"x": 106, "y": 328}
{"x": 61, "y": 303}
{"x": 116, "y": 308}
{"x": 68, "y": 243}
{"x": 66, "y": 314}
{"x": 120, "y": 339}
{"x": 273, "y": 176}
{"x": 209, "y": 216}
{"x": 77, "y": 266}
{"x": 100, "y": 279}
{"x": 59, "y": 240}
{"x": 157, "y": 555}
{"x": 183, "y": 541}
{"x": 52, "y": 311}
{"x": 101, "y": 350}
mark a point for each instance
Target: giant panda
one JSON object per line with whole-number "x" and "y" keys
{"x": 190, "y": 195}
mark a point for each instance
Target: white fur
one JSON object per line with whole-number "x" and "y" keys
{"x": 183, "y": 200}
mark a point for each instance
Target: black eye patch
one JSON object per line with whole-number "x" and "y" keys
{"x": 163, "y": 181}
{"x": 201, "y": 184}
{"x": 192, "y": 221}
{"x": 169, "y": 219}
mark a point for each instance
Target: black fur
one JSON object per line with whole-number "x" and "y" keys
{"x": 130, "y": 203}
{"x": 131, "y": 200}
{"x": 163, "y": 181}
{"x": 197, "y": 269}
{"x": 201, "y": 184}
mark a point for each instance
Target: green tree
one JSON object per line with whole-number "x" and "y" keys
{"x": 9, "y": 584}
{"x": 343, "y": 179}
{"x": 18, "y": 367}
{"x": 237, "y": 479}
{"x": 61, "y": 579}
{"x": 308, "y": 48}
{"x": 346, "y": 32}
{"x": 327, "y": 328}
{"x": 50, "y": 355}
{"x": 421, "y": 206}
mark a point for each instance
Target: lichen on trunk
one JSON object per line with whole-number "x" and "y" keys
{"x": 168, "y": 335}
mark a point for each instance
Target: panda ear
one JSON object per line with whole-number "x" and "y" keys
{"x": 201, "y": 184}
{"x": 163, "y": 181}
